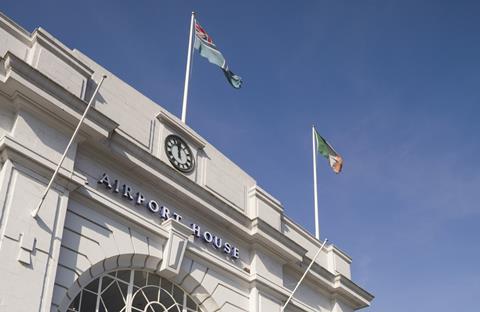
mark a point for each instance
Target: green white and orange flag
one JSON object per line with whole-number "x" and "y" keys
{"x": 324, "y": 148}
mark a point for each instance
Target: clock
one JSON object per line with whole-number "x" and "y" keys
{"x": 179, "y": 153}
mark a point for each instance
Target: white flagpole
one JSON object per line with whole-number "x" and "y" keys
{"x": 187, "y": 70}
{"x": 35, "y": 212}
{"x": 315, "y": 194}
{"x": 304, "y": 274}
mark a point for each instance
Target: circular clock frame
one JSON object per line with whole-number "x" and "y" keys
{"x": 171, "y": 158}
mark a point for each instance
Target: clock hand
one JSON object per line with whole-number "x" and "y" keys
{"x": 178, "y": 151}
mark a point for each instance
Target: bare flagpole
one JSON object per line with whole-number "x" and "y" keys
{"x": 315, "y": 192}
{"x": 187, "y": 70}
{"x": 304, "y": 274}
{"x": 35, "y": 212}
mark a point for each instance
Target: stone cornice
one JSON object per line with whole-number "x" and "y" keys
{"x": 23, "y": 155}
{"x": 349, "y": 289}
{"x": 22, "y": 80}
{"x": 181, "y": 128}
{"x": 335, "y": 284}
{"x": 16, "y": 30}
{"x": 263, "y": 195}
{"x": 288, "y": 221}
{"x": 48, "y": 41}
{"x": 277, "y": 243}
{"x": 41, "y": 36}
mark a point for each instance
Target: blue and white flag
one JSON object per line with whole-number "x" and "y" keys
{"x": 204, "y": 44}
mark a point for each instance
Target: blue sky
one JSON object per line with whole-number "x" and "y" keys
{"x": 393, "y": 85}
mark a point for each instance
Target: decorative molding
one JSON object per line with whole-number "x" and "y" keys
{"x": 27, "y": 246}
{"x": 181, "y": 129}
{"x": 14, "y": 29}
{"x": 49, "y": 42}
{"x": 257, "y": 192}
{"x": 178, "y": 237}
{"x": 66, "y": 107}
{"x": 339, "y": 252}
{"x": 269, "y": 238}
{"x": 19, "y": 154}
{"x": 352, "y": 291}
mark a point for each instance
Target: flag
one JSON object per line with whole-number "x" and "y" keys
{"x": 324, "y": 148}
{"x": 204, "y": 44}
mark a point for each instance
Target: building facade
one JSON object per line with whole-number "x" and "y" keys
{"x": 145, "y": 214}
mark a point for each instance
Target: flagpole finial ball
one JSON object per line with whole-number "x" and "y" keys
{"x": 104, "y": 76}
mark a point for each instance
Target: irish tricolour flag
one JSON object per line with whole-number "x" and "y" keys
{"x": 324, "y": 148}
{"x": 204, "y": 44}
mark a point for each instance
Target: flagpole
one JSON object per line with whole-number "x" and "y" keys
{"x": 187, "y": 70}
{"x": 304, "y": 274}
{"x": 315, "y": 193}
{"x": 35, "y": 212}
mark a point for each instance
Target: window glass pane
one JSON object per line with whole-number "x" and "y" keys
{"x": 175, "y": 308}
{"x": 139, "y": 300}
{"x": 167, "y": 285}
{"x": 151, "y": 292}
{"x": 140, "y": 278}
{"x": 124, "y": 275}
{"x": 191, "y": 304}
{"x": 123, "y": 288}
{"x": 178, "y": 295}
{"x": 113, "y": 298}
{"x": 106, "y": 282}
{"x": 101, "y": 308}
{"x": 157, "y": 308}
{"x": 153, "y": 279}
{"x": 74, "y": 304}
{"x": 166, "y": 299}
{"x": 93, "y": 286}
{"x": 89, "y": 302}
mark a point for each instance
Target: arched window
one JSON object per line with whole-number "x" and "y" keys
{"x": 132, "y": 291}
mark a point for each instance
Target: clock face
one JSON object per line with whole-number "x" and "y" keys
{"x": 179, "y": 153}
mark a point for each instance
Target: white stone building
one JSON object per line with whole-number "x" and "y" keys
{"x": 123, "y": 229}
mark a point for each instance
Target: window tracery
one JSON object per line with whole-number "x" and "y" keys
{"x": 132, "y": 291}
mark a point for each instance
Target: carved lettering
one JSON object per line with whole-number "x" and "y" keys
{"x": 126, "y": 192}
{"x": 115, "y": 186}
{"x": 105, "y": 180}
{"x": 153, "y": 206}
{"x": 227, "y": 248}
{"x": 207, "y": 236}
{"x": 217, "y": 242}
{"x": 195, "y": 229}
{"x": 235, "y": 253}
{"x": 165, "y": 213}
{"x": 140, "y": 198}
{"x": 177, "y": 217}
